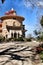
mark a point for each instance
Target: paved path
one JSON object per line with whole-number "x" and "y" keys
{"x": 18, "y": 53}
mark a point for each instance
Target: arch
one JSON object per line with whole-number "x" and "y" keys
{"x": 6, "y": 23}
{"x": 15, "y": 35}
{"x": 11, "y": 35}
{"x": 13, "y": 23}
{"x": 6, "y": 35}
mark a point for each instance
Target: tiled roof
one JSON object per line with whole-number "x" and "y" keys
{"x": 20, "y": 18}
{"x": 10, "y": 12}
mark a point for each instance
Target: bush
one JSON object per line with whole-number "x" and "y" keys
{"x": 14, "y": 39}
{"x": 2, "y": 38}
{"x": 28, "y": 39}
{"x": 18, "y": 39}
{"x": 9, "y": 39}
{"x": 41, "y": 45}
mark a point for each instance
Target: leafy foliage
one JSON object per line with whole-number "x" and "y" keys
{"x": 28, "y": 39}
{"x": 18, "y": 39}
{"x": 1, "y": 38}
{"x": 41, "y": 22}
{"x": 7, "y": 40}
{"x": 35, "y": 31}
{"x": 39, "y": 35}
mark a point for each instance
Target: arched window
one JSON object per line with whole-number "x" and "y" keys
{"x": 13, "y": 23}
{"x": 6, "y": 23}
{"x": 15, "y": 35}
{"x": 6, "y": 35}
{"x": 11, "y": 35}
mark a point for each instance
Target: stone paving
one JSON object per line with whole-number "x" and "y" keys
{"x": 19, "y": 53}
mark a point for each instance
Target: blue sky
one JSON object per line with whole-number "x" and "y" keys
{"x": 31, "y": 15}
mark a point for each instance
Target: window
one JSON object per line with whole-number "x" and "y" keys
{"x": 13, "y": 23}
{"x": 6, "y": 23}
{"x": 11, "y": 35}
{"x": 6, "y": 35}
{"x": 0, "y": 31}
{"x": 15, "y": 35}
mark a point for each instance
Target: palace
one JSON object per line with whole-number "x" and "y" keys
{"x": 11, "y": 25}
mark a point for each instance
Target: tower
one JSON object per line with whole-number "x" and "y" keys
{"x": 12, "y": 25}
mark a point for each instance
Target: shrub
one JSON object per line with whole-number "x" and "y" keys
{"x": 2, "y": 38}
{"x": 28, "y": 39}
{"x": 15, "y": 39}
{"x": 9, "y": 39}
{"x": 18, "y": 39}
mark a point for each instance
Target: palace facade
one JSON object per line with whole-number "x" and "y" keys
{"x": 11, "y": 25}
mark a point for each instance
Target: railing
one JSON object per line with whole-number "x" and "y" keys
{"x": 23, "y": 27}
{"x": 13, "y": 27}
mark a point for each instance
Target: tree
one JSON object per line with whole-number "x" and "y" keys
{"x": 41, "y": 22}
{"x": 35, "y": 31}
{"x": 2, "y": 39}
{"x": 39, "y": 35}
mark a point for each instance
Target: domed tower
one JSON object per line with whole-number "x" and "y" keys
{"x": 12, "y": 25}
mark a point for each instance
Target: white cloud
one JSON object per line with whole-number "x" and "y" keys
{"x": 27, "y": 3}
{"x": 40, "y": 3}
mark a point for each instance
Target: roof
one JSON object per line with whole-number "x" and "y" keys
{"x": 10, "y": 12}
{"x": 20, "y": 18}
{"x": 10, "y": 15}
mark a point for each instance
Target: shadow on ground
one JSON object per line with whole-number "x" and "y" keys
{"x": 13, "y": 56}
